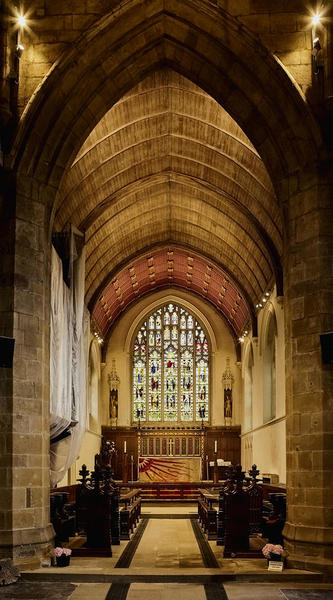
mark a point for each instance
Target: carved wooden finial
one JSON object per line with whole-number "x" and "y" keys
{"x": 84, "y": 474}
{"x": 254, "y": 472}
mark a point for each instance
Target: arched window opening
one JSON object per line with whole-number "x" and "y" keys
{"x": 270, "y": 372}
{"x": 170, "y": 368}
{"x": 248, "y": 391}
{"x": 93, "y": 389}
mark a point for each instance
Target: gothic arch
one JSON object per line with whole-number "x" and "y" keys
{"x": 194, "y": 38}
{"x": 94, "y": 370}
{"x": 170, "y": 298}
{"x": 268, "y": 316}
{"x": 247, "y": 373}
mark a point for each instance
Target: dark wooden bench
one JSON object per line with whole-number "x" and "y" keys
{"x": 62, "y": 516}
{"x": 98, "y": 512}
{"x": 129, "y": 514}
{"x": 207, "y": 514}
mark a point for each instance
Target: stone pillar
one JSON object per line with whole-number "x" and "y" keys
{"x": 25, "y": 530}
{"x": 309, "y": 313}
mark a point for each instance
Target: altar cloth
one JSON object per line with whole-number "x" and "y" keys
{"x": 169, "y": 469}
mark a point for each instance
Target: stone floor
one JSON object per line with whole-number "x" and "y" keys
{"x": 165, "y": 591}
{"x": 167, "y": 557}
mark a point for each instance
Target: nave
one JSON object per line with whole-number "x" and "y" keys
{"x": 165, "y": 276}
{"x": 167, "y": 555}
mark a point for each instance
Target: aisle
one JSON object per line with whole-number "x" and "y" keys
{"x": 168, "y": 543}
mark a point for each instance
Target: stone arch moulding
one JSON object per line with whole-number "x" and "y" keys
{"x": 94, "y": 355}
{"x": 129, "y": 340}
{"x": 196, "y": 39}
{"x": 247, "y": 355}
{"x": 269, "y": 314}
{"x": 94, "y": 364}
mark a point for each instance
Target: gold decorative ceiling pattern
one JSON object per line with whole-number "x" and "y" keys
{"x": 167, "y": 166}
{"x": 171, "y": 266}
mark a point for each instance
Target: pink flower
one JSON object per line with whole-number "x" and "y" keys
{"x": 60, "y": 551}
{"x": 272, "y": 549}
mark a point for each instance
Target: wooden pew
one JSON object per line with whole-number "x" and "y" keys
{"x": 130, "y": 513}
{"x": 228, "y": 485}
{"x": 207, "y": 513}
{"x": 98, "y": 512}
{"x": 62, "y": 516}
{"x": 255, "y": 493}
{"x": 240, "y": 512}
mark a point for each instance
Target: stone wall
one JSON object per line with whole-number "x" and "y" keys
{"x": 265, "y": 443}
{"x": 25, "y": 389}
{"x": 283, "y": 27}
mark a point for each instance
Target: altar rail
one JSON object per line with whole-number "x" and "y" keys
{"x": 169, "y": 491}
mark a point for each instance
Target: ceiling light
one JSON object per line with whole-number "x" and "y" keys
{"x": 315, "y": 19}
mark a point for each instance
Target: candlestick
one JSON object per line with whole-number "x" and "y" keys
{"x": 132, "y": 467}
{"x": 125, "y": 447}
{"x": 215, "y": 446}
{"x": 216, "y": 469}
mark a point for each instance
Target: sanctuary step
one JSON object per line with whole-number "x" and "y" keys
{"x": 171, "y": 491}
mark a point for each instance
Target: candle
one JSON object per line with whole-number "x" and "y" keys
{"x": 215, "y": 446}
{"x": 125, "y": 447}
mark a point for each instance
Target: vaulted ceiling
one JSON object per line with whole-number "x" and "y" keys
{"x": 168, "y": 170}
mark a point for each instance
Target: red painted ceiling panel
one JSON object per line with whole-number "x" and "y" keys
{"x": 174, "y": 267}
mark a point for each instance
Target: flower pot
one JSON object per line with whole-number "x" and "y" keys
{"x": 63, "y": 560}
{"x": 276, "y": 557}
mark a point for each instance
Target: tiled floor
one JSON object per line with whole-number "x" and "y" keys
{"x": 167, "y": 564}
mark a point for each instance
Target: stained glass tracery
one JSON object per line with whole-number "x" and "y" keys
{"x": 171, "y": 372}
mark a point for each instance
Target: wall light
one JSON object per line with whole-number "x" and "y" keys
{"x": 19, "y": 50}
{"x": 21, "y": 20}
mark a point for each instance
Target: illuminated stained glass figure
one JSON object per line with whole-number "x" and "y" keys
{"x": 171, "y": 374}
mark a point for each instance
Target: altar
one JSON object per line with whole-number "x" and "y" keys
{"x": 169, "y": 469}
{"x": 171, "y": 454}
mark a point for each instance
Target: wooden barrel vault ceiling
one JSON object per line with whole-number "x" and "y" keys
{"x": 168, "y": 170}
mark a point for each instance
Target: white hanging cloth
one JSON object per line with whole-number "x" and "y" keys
{"x": 69, "y": 339}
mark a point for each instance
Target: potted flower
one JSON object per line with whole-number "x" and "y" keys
{"x": 62, "y": 556}
{"x": 273, "y": 552}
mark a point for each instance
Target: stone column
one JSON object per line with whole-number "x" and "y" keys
{"x": 309, "y": 313}
{"x": 25, "y": 530}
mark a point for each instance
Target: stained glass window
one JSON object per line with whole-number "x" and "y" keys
{"x": 171, "y": 371}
